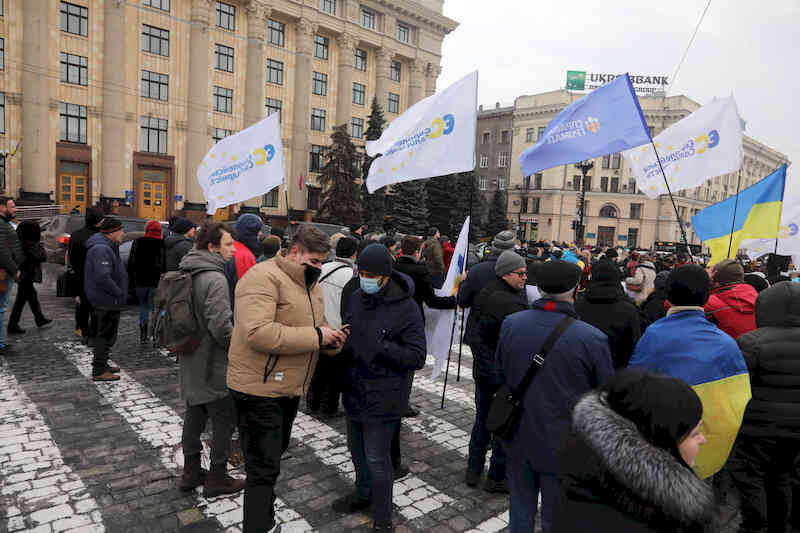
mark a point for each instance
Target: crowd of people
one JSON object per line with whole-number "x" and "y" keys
{"x": 633, "y": 373}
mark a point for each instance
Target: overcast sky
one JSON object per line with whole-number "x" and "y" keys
{"x": 745, "y": 48}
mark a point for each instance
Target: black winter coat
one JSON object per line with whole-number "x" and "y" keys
{"x": 146, "y": 262}
{"x": 175, "y": 247}
{"x": 494, "y": 303}
{"x": 423, "y": 286}
{"x": 612, "y": 479}
{"x": 772, "y": 354}
{"x": 387, "y": 341}
{"x": 477, "y": 278}
{"x": 607, "y": 308}
{"x": 653, "y": 307}
{"x": 30, "y": 237}
{"x": 11, "y": 254}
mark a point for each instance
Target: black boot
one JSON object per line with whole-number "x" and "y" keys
{"x": 193, "y": 474}
{"x": 143, "y": 332}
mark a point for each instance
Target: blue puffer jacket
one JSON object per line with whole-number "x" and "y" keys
{"x": 387, "y": 342}
{"x": 579, "y": 362}
{"x": 105, "y": 280}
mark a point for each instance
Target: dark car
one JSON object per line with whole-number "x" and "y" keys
{"x": 56, "y": 238}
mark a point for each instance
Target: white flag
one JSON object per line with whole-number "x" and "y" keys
{"x": 439, "y": 322}
{"x": 788, "y": 235}
{"x": 703, "y": 145}
{"x": 434, "y": 137}
{"x": 244, "y": 165}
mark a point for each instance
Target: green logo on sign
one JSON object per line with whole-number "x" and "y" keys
{"x": 576, "y": 80}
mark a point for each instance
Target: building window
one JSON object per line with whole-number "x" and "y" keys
{"x": 529, "y": 135}
{"x": 504, "y": 137}
{"x": 483, "y": 183}
{"x": 317, "y": 119}
{"x": 155, "y": 40}
{"x": 74, "y": 69}
{"x": 403, "y": 32}
{"x": 328, "y": 6}
{"x": 394, "y": 103}
{"x": 502, "y": 159}
{"x": 312, "y": 197}
{"x": 2, "y": 173}
{"x": 315, "y": 158}
{"x": 608, "y": 211}
{"x": 275, "y": 71}
{"x": 357, "y": 128}
{"x": 394, "y": 70}
{"x": 217, "y": 134}
{"x": 615, "y": 160}
{"x": 484, "y": 161}
{"x": 360, "y": 60}
{"x": 604, "y": 183}
{"x": 223, "y": 100}
{"x": 163, "y": 5}
{"x": 223, "y": 57}
{"x": 652, "y": 131}
{"x": 588, "y": 180}
{"x": 502, "y": 182}
{"x": 633, "y": 238}
{"x": 632, "y": 185}
{"x": 273, "y": 105}
{"x": 486, "y": 138}
{"x": 321, "y": 47}
{"x": 359, "y": 92}
{"x": 537, "y": 182}
{"x": 523, "y": 205}
{"x": 153, "y": 135}
{"x": 535, "y": 202}
{"x": 319, "y": 84}
{"x": 541, "y": 131}
{"x": 576, "y": 183}
{"x": 73, "y": 123}
{"x": 226, "y": 16}
{"x": 2, "y": 53}
{"x": 526, "y": 182}
{"x": 636, "y": 211}
{"x": 606, "y": 161}
{"x": 367, "y": 18}
{"x": 74, "y": 19}
{"x": 2, "y": 112}
{"x": 155, "y": 85}
{"x": 277, "y": 33}
{"x": 270, "y": 199}
{"x": 614, "y": 184}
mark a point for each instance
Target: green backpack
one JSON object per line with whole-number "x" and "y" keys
{"x": 175, "y": 325}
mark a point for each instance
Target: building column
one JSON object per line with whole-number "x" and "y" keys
{"x": 344, "y": 90}
{"x": 112, "y": 167}
{"x": 197, "y": 123}
{"x": 301, "y": 122}
{"x": 383, "y": 59}
{"x": 431, "y": 75}
{"x": 254, "y": 89}
{"x": 36, "y": 150}
{"x": 417, "y": 81}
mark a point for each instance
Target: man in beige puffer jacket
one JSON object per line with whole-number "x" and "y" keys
{"x": 279, "y": 331}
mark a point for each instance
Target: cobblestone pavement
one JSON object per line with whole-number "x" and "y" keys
{"x": 82, "y": 456}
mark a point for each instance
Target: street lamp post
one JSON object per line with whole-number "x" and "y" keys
{"x": 584, "y": 167}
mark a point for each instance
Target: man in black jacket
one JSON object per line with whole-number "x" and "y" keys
{"x": 409, "y": 265}
{"x": 11, "y": 257}
{"x": 500, "y": 298}
{"x": 76, "y": 257}
{"x": 179, "y": 243}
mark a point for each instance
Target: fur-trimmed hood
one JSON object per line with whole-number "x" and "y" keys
{"x": 615, "y": 466}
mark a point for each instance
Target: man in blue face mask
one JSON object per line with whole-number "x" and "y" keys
{"x": 387, "y": 342}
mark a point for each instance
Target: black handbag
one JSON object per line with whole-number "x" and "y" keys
{"x": 504, "y": 413}
{"x": 66, "y": 283}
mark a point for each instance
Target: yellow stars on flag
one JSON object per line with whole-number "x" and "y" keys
{"x": 220, "y": 197}
{"x": 211, "y": 156}
{"x": 380, "y": 171}
{"x": 394, "y": 169}
{"x": 410, "y": 153}
{"x": 644, "y": 149}
{"x": 652, "y": 187}
{"x": 233, "y": 158}
{"x": 224, "y": 155}
{"x": 669, "y": 147}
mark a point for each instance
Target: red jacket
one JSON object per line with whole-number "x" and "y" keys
{"x": 243, "y": 258}
{"x": 447, "y": 255}
{"x": 733, "y": 308}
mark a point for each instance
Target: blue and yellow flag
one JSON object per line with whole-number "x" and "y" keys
{"x": 758, "y": 216}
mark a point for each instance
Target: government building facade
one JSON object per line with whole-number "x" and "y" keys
{"x": 119, "y": 100}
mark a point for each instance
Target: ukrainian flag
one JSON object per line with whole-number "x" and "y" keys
{"x": 758, "y": 216}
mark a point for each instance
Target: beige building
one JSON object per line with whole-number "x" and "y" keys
{"x": 120, "y": 99}
{"x": 544, "y": 206}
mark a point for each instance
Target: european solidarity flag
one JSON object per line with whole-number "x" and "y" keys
{"x": 757, "y": 216}
{"x": 605, "y": 121}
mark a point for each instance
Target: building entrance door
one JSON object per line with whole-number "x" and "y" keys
{"x": 605, "y": 235}
{"x": 72, "y": 192}
{"x": 152, "y": 194}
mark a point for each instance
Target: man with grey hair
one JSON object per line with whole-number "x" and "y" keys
{"x": 578, "y": 361}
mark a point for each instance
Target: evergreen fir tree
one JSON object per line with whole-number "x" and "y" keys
{"x": 373, "y": 205}
{"x": 497, "y": 220}
{"x": 340, "y": 199}
{"x": 466, "y": 182}
{"x": 442, "y": 204}
{"x": 409, "y": 210}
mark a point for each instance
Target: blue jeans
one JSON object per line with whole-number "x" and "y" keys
{"x": 3, "y": 306}
{"x": 481, "y": 438}
{"x": 145, "y": 295}
{"x": 525, "y": 484}
{"x": 370, "y": 446}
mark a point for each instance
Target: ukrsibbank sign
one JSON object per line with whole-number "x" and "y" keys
{"x": 580, "y": 80}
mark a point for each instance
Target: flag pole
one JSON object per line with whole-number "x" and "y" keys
{"x": 735, "y": 208}
{"x": 449, "y": 351}
{"x": 672, "y": 199}
{"x": 469, "y": 227}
